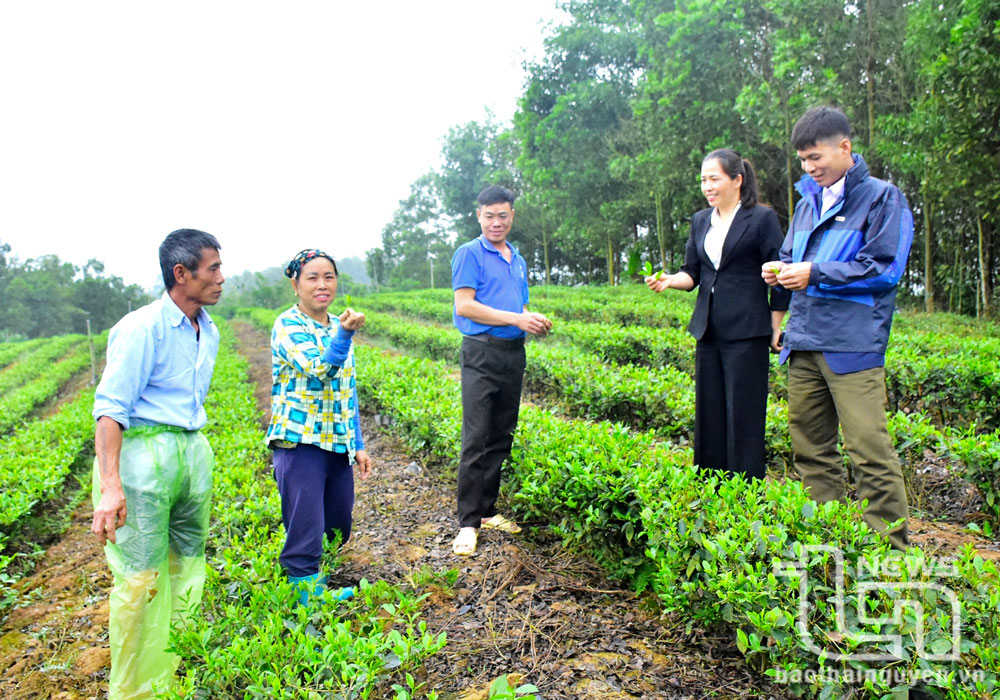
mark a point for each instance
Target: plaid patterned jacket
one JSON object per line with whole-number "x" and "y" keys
{"x": 312, "y": 401}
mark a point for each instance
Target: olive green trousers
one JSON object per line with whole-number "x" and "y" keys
{"x": 818, "y": 401}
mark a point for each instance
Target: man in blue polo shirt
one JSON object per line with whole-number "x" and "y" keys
{"x": 843, "y": 256}
{"x": 490, "y": 281}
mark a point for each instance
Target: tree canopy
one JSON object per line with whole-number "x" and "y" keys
{"x": 613, "y": 121}
{"x": 45, "y": 296}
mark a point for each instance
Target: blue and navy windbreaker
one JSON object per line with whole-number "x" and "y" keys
{"x": 858, "y": 249}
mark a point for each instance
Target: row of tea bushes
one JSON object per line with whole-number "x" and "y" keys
{"x": 628, "y": 305}
{"x": 725, "y": 554}
{"x": 12, "y": 351}
{"x": 957, "y": 386}
{"x": 250, "y": 642}
{"x": 32, "y": 364}
{"x": 645, "y": 398}
{"x": 562, "y": 303}
{"x": 35, "y": 462}
{"x": 19, "y": 403}
{"x": 952, "y": 378}
{"x": 976, "y": 453}
{"x": 954, "y": 325}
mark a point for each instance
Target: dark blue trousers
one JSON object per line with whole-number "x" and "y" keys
{"x": 317, "y": 497}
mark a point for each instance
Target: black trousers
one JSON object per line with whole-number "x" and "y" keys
{"x": 492, "y": 373}
{"x": 730, "y": 411}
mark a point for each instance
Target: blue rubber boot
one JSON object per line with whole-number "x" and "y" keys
{"x": 310, "y": 587}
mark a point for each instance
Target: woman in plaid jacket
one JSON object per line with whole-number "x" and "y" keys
{"x": 315, "y": 430}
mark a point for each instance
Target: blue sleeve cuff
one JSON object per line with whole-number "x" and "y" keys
{"x": 359, "y": 442}
{"x": 336, "y": 352}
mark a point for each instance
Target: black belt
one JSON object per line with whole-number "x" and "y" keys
{"x": 493, "y": 340}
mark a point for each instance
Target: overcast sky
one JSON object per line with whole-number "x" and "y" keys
{"x": 275, "y": 126}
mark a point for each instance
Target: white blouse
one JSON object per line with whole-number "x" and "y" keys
{"x": 716, "y": 236}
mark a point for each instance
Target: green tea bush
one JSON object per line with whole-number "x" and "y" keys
{"x": 19, "y": 403}
{"x": 642, "y": 397}
{"x": 630, "y": 345}
{"x": 646, "y": 398}
{"x": 35, "y": 460}
{"x": 724, "y": 552}
{"x": 955, "y": 386}
{"x": 437, "y": 342}
{"x": 408, "y": 304}
{"x": 38, "y": 362}
{"x": 261, "y": 318}
{"x": 977, "y": 454}
{"x": 980, "y": 457}
{"x": 12, "y": 350}
{"x": 951, "y": 324}
{"x": 932, "y": 367}
{"x": 628, "y": 305}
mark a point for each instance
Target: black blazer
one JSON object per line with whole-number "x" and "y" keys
{"x": 735, "y": 295}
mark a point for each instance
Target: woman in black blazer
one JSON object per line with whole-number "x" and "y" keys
{"x": 736, "y": 316}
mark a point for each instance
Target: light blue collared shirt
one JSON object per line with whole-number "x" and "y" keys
{"x": 159, "y": 369}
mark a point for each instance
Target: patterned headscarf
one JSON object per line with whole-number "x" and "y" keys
{"x": 303, "y": 257}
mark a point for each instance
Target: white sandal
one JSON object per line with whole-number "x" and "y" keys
{"x": 465, "y": 542}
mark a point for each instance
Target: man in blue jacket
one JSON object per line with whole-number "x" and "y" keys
{"x": 843, "y": 256}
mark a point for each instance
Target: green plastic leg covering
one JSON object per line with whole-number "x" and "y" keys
{"x": 158, "y": 561}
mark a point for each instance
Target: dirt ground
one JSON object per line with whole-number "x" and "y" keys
{"x": 522, "y": 605}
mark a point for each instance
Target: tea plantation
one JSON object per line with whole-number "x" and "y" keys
{"x": 810, "y": 596}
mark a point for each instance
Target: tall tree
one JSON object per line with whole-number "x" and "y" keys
{"x": 472, "y": 159}
{"x": 416, "y": 239}
{"x": 568, "y": 123}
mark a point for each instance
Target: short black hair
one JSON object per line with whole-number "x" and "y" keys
{"x": 495, "y": 194}
{"x": 820, "y": 124}
{"x": 183, "y": 247}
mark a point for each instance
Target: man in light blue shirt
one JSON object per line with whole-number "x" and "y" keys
{"x": 153, "y": 470}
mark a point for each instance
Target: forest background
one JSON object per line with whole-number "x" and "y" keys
{"x": 605, "y": 147}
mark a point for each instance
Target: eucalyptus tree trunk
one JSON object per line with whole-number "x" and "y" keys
{"x": 984, "y": 306}
{"x": 660, "y": 235}
{"x": 928, "y": 254}
{"x": 961, "y": 281}
{"x": 789, "y": 164}
{"x": 951, "y": 292}
{"x": 870, "y": 80}
{"x": 611, "y": 261}
{"x": 545, "y": 256}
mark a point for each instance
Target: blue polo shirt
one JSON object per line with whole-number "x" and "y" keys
{"x": 499, "y": 284}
